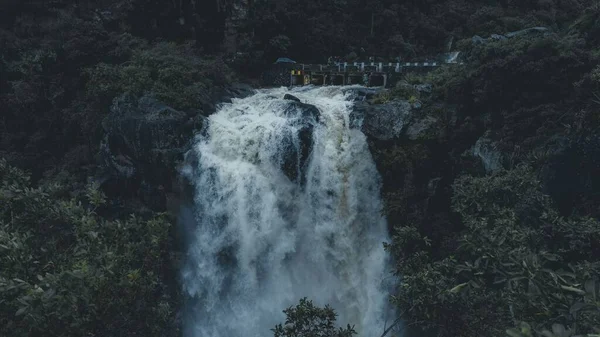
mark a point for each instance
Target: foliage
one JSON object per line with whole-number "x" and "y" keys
{"x": 67, "y": 271}
{"x": 516, "y": 260}
{"x": 305, "y": 319}
{"x": 60, "y": 71}
{"x": 173, "y": 73}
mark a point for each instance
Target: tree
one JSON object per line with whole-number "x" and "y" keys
{"x": 67, "y": 271}
{"x": 308, "y": 320}
{"x": 516, "y": 260}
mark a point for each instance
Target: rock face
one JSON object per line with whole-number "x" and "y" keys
{"x": 308, "y": 111}
{"x": 298, "y": 154}
{"x": 486, "y": 149}
{"x": 382, "y": 121}
{"x": 291, "y": 97}
{"x": 144, "y": 142}
{"x": 361, "y": 94}
{"x": 498, "y": 37}
{"x": 395, "y": 120}
{"x": 418, "y": 128}
{"x": 236, "y": 90}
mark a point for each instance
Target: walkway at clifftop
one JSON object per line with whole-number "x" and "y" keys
{"x": 369, "y": 73}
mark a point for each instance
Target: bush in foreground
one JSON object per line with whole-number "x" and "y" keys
{"x": 67, "y": 271}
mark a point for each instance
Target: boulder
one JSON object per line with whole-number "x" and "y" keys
{"x": 304, "y": 110}
{"x": 296, "y": 157}
{"x": 291, "y": 97}
{"x": 477, "y": 40}
{"x": 425, "y": 88}
{"x": 362, "y": 94}
{"x": 486, "y": 149}
{"x": 236, "y": 90}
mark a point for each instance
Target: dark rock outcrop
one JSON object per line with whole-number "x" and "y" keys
{"x": 236, "y": 90}
{"x": 303, "y": 110}
{"x": 571, "y": 175}
{"x": 420, "y": 127}
{"x": 296, "y": 156}
{"x": 499, "y": 37}
{"x": 361, "y": 94}
{"x": 486, "y": 149}
{"x": 291, "y": 97}
{"x": 382, "y": 121}
{"x": 143, "y": 143}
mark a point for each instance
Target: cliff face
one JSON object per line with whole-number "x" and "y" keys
{"x": 502, "y": 144}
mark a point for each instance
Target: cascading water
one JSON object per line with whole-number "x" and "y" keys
{"x": 276, "y": 222}
{"x": 452, "y": 57}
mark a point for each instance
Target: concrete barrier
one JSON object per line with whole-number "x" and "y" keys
{"x": 317, "y": 79}
{"x": 377, "y": 80}
{"x": 338, "y": 79}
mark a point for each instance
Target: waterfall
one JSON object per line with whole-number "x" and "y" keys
{"x": 286, "y": 206}
{"x": 452, "y": 57}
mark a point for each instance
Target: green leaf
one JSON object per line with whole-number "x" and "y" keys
{"x": 590, "y": 288}
{"x": 576, "y": 307}
{"x": 547, "y": 333}
{"x": 575, "y": 290}
{"x": 20, "y": 312}
{"x": 513, "y": 332}
{"x": 558, "y": 329}
{"x": 458, "y": 288}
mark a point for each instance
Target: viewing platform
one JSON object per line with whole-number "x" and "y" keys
{"x": 286, "y": 72}
{"x": 371, "y": 74}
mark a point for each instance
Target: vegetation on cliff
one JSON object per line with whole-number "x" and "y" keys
{"x": 70, "y": 270}
{"x": 496, "y": 221}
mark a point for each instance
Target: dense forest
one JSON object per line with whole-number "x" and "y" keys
{"x": 493, "y": 206}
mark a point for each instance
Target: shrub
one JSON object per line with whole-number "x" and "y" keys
{"x": 517, "y": 260}
{"x": 173, "y": 73}
{"x": 306, "y": 319}
{"x": 67, "y": 271}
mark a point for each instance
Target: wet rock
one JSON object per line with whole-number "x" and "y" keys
{"x": 291, "y": 97}
{"x": 297, "y": 108}
{"x": 296, "y": 156}
{"x": 424, "y": 88}
{"x": 362, "y": 94}
{"x": 486, "y": 149}
{"x": 236, "y": 90}
{"x": 477, "y": 40}
{"x": 527, "y": 31}
{"x": 497, "y": 37}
